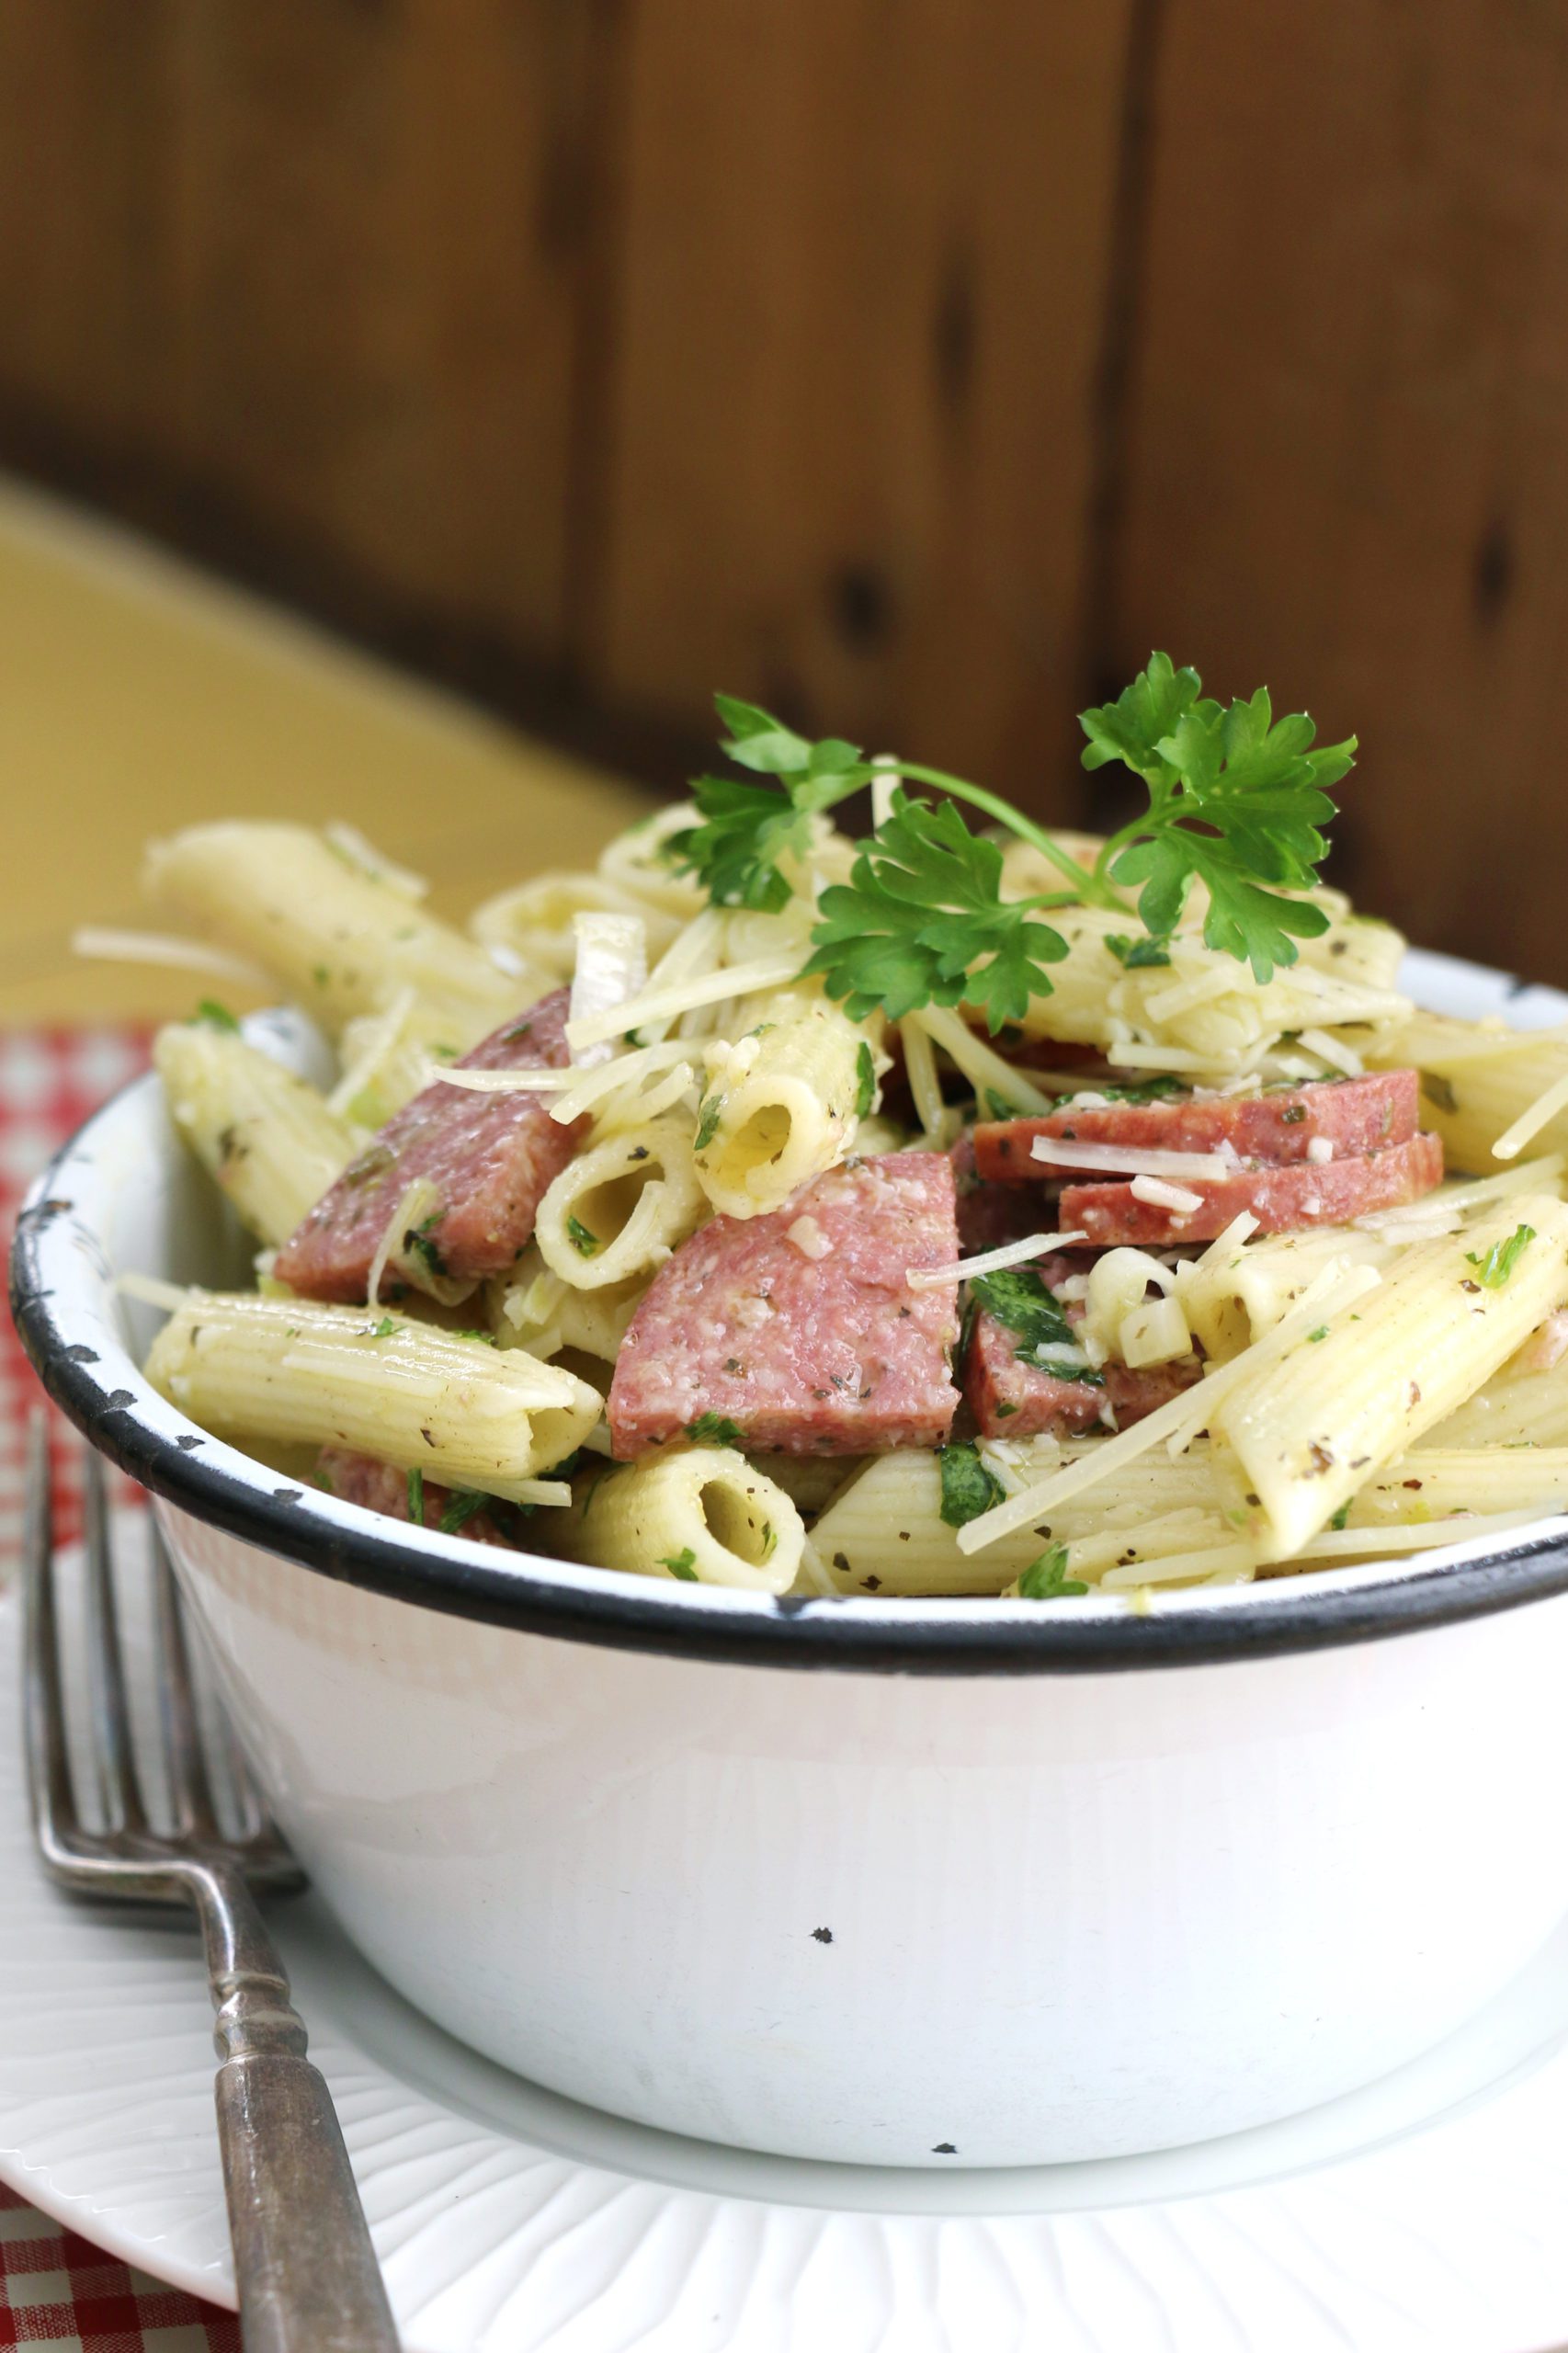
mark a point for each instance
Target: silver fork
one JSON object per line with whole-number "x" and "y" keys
{"x": 306, "y": 2272}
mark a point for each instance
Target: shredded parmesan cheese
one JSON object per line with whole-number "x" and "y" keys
{"x": 1161, "y": 1196}
{"x": 162, "y": 948}
{"x": 663, "y": 1004}
{"x": 1544, "y": 1109}
{"x": 809, "y": 1238}
{"x": 1132, "y": 1160}
{"x": 990, "y": 1262}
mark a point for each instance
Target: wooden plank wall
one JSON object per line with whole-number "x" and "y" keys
{"x": 914, "y": 363}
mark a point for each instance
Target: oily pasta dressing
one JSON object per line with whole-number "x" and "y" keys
{"x": 960, "y": 1210}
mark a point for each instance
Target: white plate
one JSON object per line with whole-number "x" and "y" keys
{"x": 1424, "y": 2214}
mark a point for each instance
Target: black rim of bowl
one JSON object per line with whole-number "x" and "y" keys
{"x": 901, "y": 1637}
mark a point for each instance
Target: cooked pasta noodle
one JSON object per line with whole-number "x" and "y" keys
{"x": 449, "y": 1407}
{"x": 271, "y": 1142}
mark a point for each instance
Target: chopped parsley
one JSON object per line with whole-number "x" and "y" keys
{"x": 417, "y": 1243}
{"x": 1143, "y": 1090}
{"x": 321, "y": 975}
{"x": 713, "y": 1429}
{"x": 1321, "y": 1334}
{"x": 968, "y": 1487}
{"x": 1341, "y": 1516}
{"x": 682, "y": 1564}
{"x": 216, "y": 1016}
{"x": 460, "y": 1509}
{"x": 1138, "y": 955}
{"x": 585, "y": 1241}
{"x": 416, "y": 1497}
{"x": 865, "y": 1080}
{"x": 1017, "y": 1297}
{"x": 1439, "y": 1091}
{"x": 1046, "y": 1579}
{"x": 1498, "y": 1262}
{"x": 994, "y": 1106}
{"x": 708, "y": 1114}
{"x": 384, "y": 1330}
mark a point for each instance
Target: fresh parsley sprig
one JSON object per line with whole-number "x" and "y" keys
{"x": 922, "y": 921}
{"x": 1236, "y": 801}
{"x": 1256, "y": 786}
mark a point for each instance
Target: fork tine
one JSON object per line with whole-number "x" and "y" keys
{"x": 48, "y": 1764}
{"x": 123, "y": 1803}
{"x": 190, "y": 1794}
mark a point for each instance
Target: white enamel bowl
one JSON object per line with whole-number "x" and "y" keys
{"x": 961, "y": 1883}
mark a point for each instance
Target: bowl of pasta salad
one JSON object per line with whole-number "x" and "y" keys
{"x": 889, "y": 1495}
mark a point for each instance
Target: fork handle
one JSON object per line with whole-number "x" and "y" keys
{"x": 304, "y": 2267}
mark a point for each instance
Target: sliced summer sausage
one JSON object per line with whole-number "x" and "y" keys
{"x": 1354, "y": 1115}
{"x": 1282, "y": 1199}
{"x": 796, "y": 1331}
{"x": 379, "y": 1486}
{"x": 490, "y": 1158}
{"x": 1010, "y": 1397}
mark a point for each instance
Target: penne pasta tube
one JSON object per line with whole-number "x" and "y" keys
{"x": 1471, "y": 1093}
{"x": 1521, "y": 1406}
{"x": 621, "y": 1208}
{"x": 781, "y": 1104}
{"x": 267, "y": 1137}
{"x": 341, "y": 943}
{"x": 440, "y": 1402}
{"x": 1296, "y": 1439}
{"x": 703, "y": 1514}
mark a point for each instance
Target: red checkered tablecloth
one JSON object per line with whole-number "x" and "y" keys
{"x": 55, "y": 2289}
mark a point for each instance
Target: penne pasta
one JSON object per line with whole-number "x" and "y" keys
{"x": 619, "y": 1208}
{"x": 705, "y": 1516}
{"x": 781, "y": 1104}
{"x": 269, "y": 1140}
{"x": 1297, "y": 1436}
{"x": 450, "y": 1406}
{"x": 341, "y": 943}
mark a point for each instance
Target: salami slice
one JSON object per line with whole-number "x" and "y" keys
{"x": 490, "y": 1158}
{"x": 989, "y": 1214}
{"x": 1355, "y": 1116}
{"x": 796, "y": 1331}
{"x": 1012, "y": 1398}
{"x": 379, "y": 1486}
{"x": 1282, "y": 1199}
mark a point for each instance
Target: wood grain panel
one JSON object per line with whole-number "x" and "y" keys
{"x": 861, "y": 300}
{"x": 305, "y": 281}
{"x": 1347, "y": 471}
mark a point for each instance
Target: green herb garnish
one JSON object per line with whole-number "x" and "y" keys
{"x": 384, "y": 1330}
{"x": 923, "y": 921}
{"x": 1341, "y": 1516}
{"x": 416, "y": 1497}
{"x": 464, "y": 1503}
{"x": 865, "y": 1080}
{"x": 708, "y": 1114}
{"x": 1254, "y": 780}
{"x": 1321, "y": 1334}
{"x": 713, "y": 1429}
{"x": 968, "y": 1487}
{"x": 1046, "y": 1579}
{"x": 582, "y": 1239}
{"x": 1499, "y": 1262}
{"x": 682, "y": 1564}
{"x": 417, "y": 1243}
{"x": 1439, "y": 1091}
{"x": 217, "y": 1016}
{"x": 1017, "y": 1297}
{"x": 1138, "y": 955}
